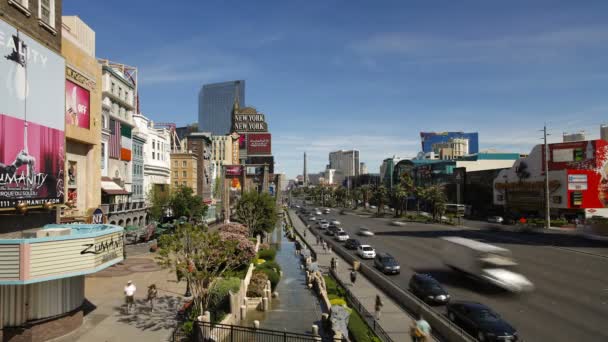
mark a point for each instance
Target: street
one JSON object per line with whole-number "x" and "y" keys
{"x": 570, "y": 301}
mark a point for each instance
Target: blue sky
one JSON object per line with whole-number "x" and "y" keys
{"x": 369, "y": 74}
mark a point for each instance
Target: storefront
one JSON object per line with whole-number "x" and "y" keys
{"x": 42, "y": 278}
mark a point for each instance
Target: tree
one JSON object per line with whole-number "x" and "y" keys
{"x": 407, "y": 184}
{"x": 185, "y": 203}
{"x": 366, "y": 191}
{"x": 257, "y": 211}
{"x": 436, "y": 198}
{"x": 160, "y": 200}
{"x": 380, "y": 195}
{"x": 399, "y": 197}
{"x": 201, "y": 257}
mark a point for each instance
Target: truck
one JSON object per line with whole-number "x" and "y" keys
{"x": 487, "y": 263}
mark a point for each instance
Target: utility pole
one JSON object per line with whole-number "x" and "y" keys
{"x": 546, "y": 161}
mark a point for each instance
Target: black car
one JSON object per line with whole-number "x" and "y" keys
{"x": 352, "y": 244}
{"x": 428, "y": 289}
{"x": 331, "y": 231}
{"x": 386, "y": 263}
{"x": 480, "y": 321}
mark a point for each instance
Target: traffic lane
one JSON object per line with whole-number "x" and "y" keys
{"x": 567, "y": 296}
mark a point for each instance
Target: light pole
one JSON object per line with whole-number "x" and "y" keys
{"x": 546, "y": 164}
{"x": 188, "y": 293}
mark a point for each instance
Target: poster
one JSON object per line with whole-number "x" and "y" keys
{"x": 32, "y": 121}
{"x": 259, "y": 143}
{"x": 77, "y": 101}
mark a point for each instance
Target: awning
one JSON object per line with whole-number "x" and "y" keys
{"x": 111, "y": 188}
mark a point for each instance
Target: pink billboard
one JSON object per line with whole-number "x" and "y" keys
{"x": 77, "y": 100}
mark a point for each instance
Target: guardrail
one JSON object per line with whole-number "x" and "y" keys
{"x": 441, "y": 325}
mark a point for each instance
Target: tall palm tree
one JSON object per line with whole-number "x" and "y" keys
{"x": 380, "y": 195}
{"x": 407, "y": 183}
{"x": 399, "y": 196}
{"x": 366, "y": 191}
{"x": 436, "y": 197}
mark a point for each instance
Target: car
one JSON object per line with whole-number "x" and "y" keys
{"x": 428, "y": 289}
{"x": 366, "y": 252}
{"x": 297, "y": 206}
{"x": 342, "y": 236}
{"x": 372, "y": 207}
{"x": 386, "y": 263}
{"x": 398, "y": 223}
{"x": 318, "y": 213}
{"x": 352, "y": 244}
{"x": 495, "y": 219}
{"x": 481, "y": 322}
{"x": 335, "y": 222}
{"x": 312, "y": 218}
{"x": 323, "y": 225}
{"x": 326, "y": 211}
{"x": 331, "y": 231}
{"x": 364, "y": 231}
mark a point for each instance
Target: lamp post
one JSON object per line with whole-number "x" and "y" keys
{"x": 188, "y": 293}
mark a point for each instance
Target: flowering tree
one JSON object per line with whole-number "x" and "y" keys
{"x": 202, "y": 258}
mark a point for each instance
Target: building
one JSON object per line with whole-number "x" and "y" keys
{"x": 82, "y": 120}
{"x": 454, "y": 148}
{"x": 199, "y": 143}
{"x": 345, "y": 162}
{"x": 363, "y": 168}
{"x": 570, "y": 137}
{"x": 578, "y": 172}
{"x": 156, "y": 154}
{"x": 184, "y": 170}
{"x": 386, "y": 171}
{"x": 428, "y": 139}
{"x": 225, "y": 149}
{"x": 139, "y": 140}
{"x": 215, "y": 105}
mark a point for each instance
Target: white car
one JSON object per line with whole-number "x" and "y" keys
{"x": 318, "y": 213}
{"x": 326, "y": 211}
{"x": 366, "y": 252}
{"x": 323, "y": 225}
{"x": 495, "y": 219}
{"x": 335, "y": 222}
{"x": 398, "y": 223}
{"x": 372, "y": 207}
{"x": 312, "y": 218}
{"x": 363, "y": 231}
{"x": 342, "y": 236}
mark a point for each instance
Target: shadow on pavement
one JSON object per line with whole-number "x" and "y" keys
{"x": 88, "y": 307}
{"x": 144, "y": 318}
{"x": 505, "y": 237}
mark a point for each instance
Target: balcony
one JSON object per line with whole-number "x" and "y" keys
{"x": 124, "y": 207}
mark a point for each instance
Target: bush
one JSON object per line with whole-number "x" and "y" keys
{"x": 337, "y": 301}
{"x": 559, "y": 222}
{"x": 260, "y": 261}
{"x": 240, "y": 272}
{"x": 219, "y": 299}
{"x": 271, "y": 274}
{"x": 271, "y": 265}
{"x": 267, "y": 254}
{"x": 359, "y": 331}
{"x": 333, "y": 288}
{"x": 257, "y": 284}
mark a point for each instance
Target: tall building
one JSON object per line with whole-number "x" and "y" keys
{"x": 363, "y": 168}
{"x": 184, "y": 170}
{"x": 387, "y": 176}
{"x": 345, "y": 162}
{"x": 200, "y": 144}
{"x": 215, "y": 105}
{"x": 428, "y": 139}
{"x": 305, "y": 171}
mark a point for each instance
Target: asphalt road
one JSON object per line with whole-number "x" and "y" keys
{"x": 570, "y": 302}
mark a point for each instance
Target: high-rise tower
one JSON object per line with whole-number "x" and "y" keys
{"x": 305, "y": 173}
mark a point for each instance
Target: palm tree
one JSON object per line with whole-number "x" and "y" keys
{"x": 407, "y": 183}
{"x": 366, "y": 191}
{"x": 356, "y": 195}
{"x": 399, "y": 196}
{"x": 436, "y": 197}
{"x": 380, "y": 195}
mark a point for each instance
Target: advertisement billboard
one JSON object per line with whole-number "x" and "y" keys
{"x": 77, "y": 100}
{"x": 234, "y": 170}
{"x": 259, "y": 144}
{"x": 32, "y": 121}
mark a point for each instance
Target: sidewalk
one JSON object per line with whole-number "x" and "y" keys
{"x": 394, "y": 320}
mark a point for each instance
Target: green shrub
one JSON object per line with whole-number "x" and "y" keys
{"x": 267, "y": 254}
{"x": 272, "y": 275}
{"x": 240, "y": 272}
{"x": 337, "y": 301}
{"x": 559, "y": 222}
{"x": 333, "y": 288}
{"x": 219, "y": 299}
{"x": 187, "y": 327}
{"x": 271, "y": 265}
{"x": 359, "y": 331}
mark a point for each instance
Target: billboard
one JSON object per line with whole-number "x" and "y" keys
{"x": 259, "y": 144}
{"x": 234, "y": 170}
{"x": 32, "y": 121}
{"x": 77, "y": 101}
{"x": 250, "y": 123}
{"x": 430, "y": 138}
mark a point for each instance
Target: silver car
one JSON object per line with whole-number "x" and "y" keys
{"x": 363, "y": 231}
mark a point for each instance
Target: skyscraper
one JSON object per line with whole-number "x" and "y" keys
{"x": 215, "y": 103}
{"x": 305, "y": 171}
{"x": 345, "y": 162}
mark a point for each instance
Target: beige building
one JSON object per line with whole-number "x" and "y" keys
{"x": 225, "y": 149}
{"x": 453, "y": 149}
{"x": 83, "y": 119}
{"x": 184, "y": 170}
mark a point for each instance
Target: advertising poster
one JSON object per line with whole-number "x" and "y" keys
{"x": 259, "y": 143}
{"x": 32, "y": 121}
{"x": 233, "y": 170}
{"x": 77, "y": 100}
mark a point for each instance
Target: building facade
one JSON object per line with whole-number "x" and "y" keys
{"x": 184, "y": 170}
{"x": 137, "y": 187}
{"x": 156, "y": 155}
{"x": 82, "y": 120}
{"x": 345, "y": 162}
{"x": 199, "y": 144}
{"x": 428, "y": 139}
{"x": 225, "y": 149}
{"x": 215, "y": 104}
{"x": 386, "y": 171}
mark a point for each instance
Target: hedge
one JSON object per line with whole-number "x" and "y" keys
{"x": 271, "y": 265}
{"x": 272, "y": 275}
{"x": 219, "y": 300}
{"x": 359, "y": 331}
{"x": 267, "y": 254}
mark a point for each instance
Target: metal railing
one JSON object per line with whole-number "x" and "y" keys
{"x": 207, "y": 332}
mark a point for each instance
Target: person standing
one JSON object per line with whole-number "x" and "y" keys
{"x": 378, "y": 306}
{"x": 421, "y": 331}
{"x": 353, "y": 276}
{"x": 130, "y": 295}
{"x": 152, "y": 294}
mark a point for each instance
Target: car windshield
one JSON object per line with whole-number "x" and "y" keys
{"x": 389, "y": 261}
{"x": 485, "y": 315}
{"x": 367, "y": 249}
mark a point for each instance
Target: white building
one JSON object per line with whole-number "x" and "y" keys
{"x": 345, "y": 162}
{"x": 156, "y": 153}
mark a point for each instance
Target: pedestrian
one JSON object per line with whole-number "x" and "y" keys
{"x": 129, "y": 295}
{"x": 353, "y": 276}
{"x": 421, "y": 330}
{"x": 318, "y": 240}
{"x": 329, "y": 249}
{"x": 304, "y": 232}
{"x": 333, "y": 263}
{"x": 324, "y": 246}
{"x": 378, "y": 306}
{"x": 152, "y": 294}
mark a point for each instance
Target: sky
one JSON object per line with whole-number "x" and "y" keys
{"x": 369, "y": 75}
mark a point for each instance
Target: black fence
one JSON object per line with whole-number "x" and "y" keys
{"x": 369, "y": 319}
{"x": 179, "y": 335}
{"x": 207, "y": 332}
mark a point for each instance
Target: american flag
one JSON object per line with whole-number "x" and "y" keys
{"x": 114, "y": 148}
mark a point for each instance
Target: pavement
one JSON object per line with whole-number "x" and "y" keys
{"x": 105, "y": 318}
{"x": 570, "y": 301}
{"x": 394, "y": 320}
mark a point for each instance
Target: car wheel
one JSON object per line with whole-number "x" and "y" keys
{"x": 451, "y": 316}
{"x": 481, "y": 337}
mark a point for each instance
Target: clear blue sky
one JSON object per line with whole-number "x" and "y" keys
{"x": 369, "y": 74}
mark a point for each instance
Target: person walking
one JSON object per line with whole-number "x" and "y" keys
{"x": 129, "y": 295}
{"x": 421, "y": 330}
{"x": 318, "y": 240}
{"x": 378, "y": 306}
{"x": 152, "y": 294}
{"x": 353, "y": 276}
{"x": 324, "y": 246}
{"x": 333, "y": 263}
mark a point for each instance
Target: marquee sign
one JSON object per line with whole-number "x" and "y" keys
{"x": 250, "y": 123}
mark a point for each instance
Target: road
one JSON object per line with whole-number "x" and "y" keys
{"x": 570, "y": 301}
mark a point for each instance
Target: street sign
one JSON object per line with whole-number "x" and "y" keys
{"x": 97, "y": 217}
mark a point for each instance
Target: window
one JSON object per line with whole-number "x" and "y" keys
{"x": 176, "y": 174}
{"x": 184, "y": 183}
{"x": 184, "y": 174}
{"x": 176, "y": 183}
{"x": 113, "y": 88}
{"x": 46, "y": 13}
{"x": 153, "y": 155}
{"x": 115, "y": 108}
{"x": 103, "y": 155}
{"x": 184, "y": 163}
{"x": 120, "y": 92}
{"x": 175, "y": 163}
{"x": 153, "y": 144}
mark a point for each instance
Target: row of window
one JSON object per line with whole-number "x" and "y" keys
{"x": 138, "y": 190}
{"x": 122, "y": 95}
{"x": 138, "y": 170}
{"x": 119, "y": 110}
{"x": 46, "y": 9}
{"x": 176, "y": 183}
{"x": 184, "y": 163}
{"x": 184, "y": 174}
{"x": 138, "y": 151}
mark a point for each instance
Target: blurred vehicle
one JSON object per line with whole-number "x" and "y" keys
{"x": 481, "y": 322}
{"x": 298, "y": 206}
{"x": 398, "y": 223}
{"x": 327, "y": 211}
{"x": 495, "y": 219}
{"x": 331, "y": 231}
{"x": 312, "y": 218}
{"x": 364, "y": 231}
{"x": 323, "y": 225}
{"x": 428, "y": 289}
{"x": 372, "y": 207}
{"x": 485, "y": 262}
{"x": 335, "y": 222}
{"x": 366, "y": 252}
{"x": 342, "y": 236}
{"x": 318, "y": 213}
{"x": 386, "y": 263}
{"x": 352, "y": 244}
